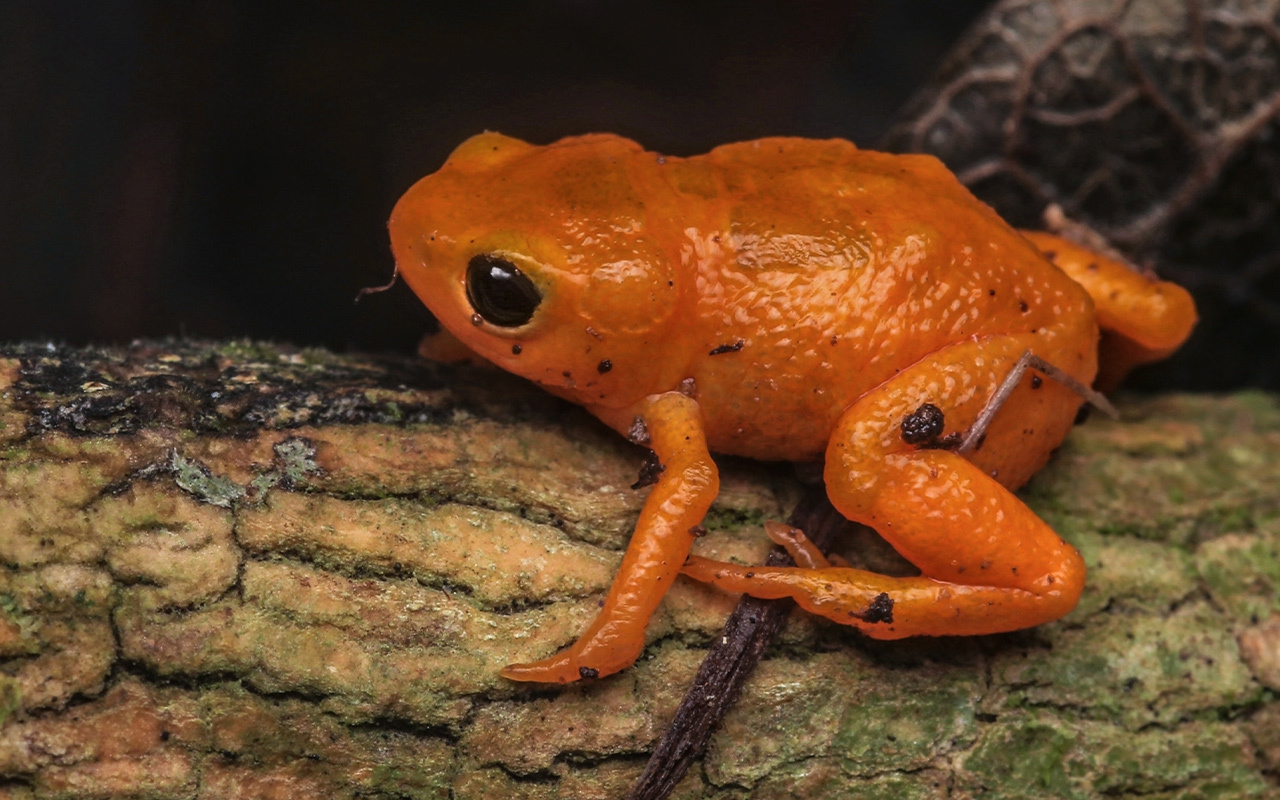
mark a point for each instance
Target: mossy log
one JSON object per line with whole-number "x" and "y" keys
{"x": 248, "y": 571}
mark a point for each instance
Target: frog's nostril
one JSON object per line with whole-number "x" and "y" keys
{"x": 499, "y": 292}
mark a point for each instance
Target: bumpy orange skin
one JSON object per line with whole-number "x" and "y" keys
{"x": 791, "y": 299}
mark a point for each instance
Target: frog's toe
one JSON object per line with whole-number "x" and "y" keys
{"x": 766, "y": 582}
{"x": 802, "y": 551}
{"x": 560, "y": 668}
{"x": 704, "y": 569}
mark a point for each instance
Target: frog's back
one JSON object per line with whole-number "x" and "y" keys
{"x": 822, "y": 270}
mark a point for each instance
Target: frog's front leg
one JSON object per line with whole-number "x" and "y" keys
{"x": 687, "y": 485}
{"x": 989, "y": 563}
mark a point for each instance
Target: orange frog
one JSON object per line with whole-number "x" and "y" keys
{"x": 797, "y": 300}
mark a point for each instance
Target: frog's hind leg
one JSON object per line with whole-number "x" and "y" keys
{"x": 988, "y": 563}
{"x": 977, "y": 432}
{"x": 1142, "y": 318}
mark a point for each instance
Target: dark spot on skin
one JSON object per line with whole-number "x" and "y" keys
{"x": 1083, "y": 414}
{"x": 671, "y": 283}
{"x": 477, "y": 320}
{"x": 880, "y": 610}
{"x": 698, "y": 531}
{"x": 1015, "y": 570}
{"x": 1022, "y": 304}
{"x": 750, "y": 574}
{"x": 604, "y": 366}
{"x": 1093, "y": 266}
{"x": 991, "y": 292}
{"x": 834, "y": 339}
{"x": 949, "y": 442}
{"x": 567, "y": 374}
{"x": 688, "y": 387}
{"x": 985, "y": 565}
{"x": 649, "y": 471}
{"x": 959, "y": 570}
{"x": 638, "y": 433}
{"x": 1036, "y": 381}
{"x": 1052, "y": 255}
{"x": 588, "y": 672}
{"x": 516, "y": 349}
{"x": 727, "y": 348}
{"x": 923, "y": 425}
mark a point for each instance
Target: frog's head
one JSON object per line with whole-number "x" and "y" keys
{"x": 545, "y": 261}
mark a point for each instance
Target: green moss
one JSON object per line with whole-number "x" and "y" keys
{"x": 1054, "y": 756}
{"x": 1021, "y": 758}
{"x": 10, "y": 698}
{"x": 1242, "y": 573}
{"x": 419, "y": 779}
{"x": 357, "y": 677}
{"x": 1135, "y": 669}
{"x": 720, "y": 518}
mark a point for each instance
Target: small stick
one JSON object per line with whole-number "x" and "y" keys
{"x": 1028, "y": 360}
{"x": 731, "y": 659}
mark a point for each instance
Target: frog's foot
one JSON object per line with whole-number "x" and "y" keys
{"x": 445, "y": 348}
{"x": 1143, "y": 319}
{"x": 573, "y": 664}
{"x": 557, "y": 669}
{"x": 894, "y": 608}
{"x": 611, "y": 644}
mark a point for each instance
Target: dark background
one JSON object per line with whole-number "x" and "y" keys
{"x": 226, "y": 169}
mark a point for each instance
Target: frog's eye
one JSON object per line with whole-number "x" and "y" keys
{"x": 500, "y": 292}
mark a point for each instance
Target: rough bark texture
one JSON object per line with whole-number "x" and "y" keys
{"x": 1155, "y": 122}
{"x": 243, "y": 571}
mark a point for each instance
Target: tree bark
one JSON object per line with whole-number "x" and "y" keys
{"x": 236, "y": 570}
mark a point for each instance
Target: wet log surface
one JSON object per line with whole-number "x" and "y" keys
{"x": 241, "y": 570}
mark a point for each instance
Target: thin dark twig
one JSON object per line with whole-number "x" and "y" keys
{"x": 747, "y": 633}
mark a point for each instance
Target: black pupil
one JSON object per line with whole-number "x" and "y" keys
{"x": 500, "y": 292}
